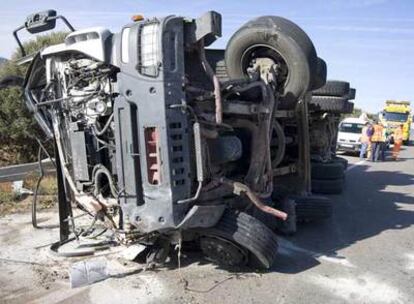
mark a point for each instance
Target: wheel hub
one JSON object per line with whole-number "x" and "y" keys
{"x": 222, "y": 251}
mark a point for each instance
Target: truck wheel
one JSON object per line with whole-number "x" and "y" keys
{"x": 333, "y": 88}
{"x": 320, "y": 77}
{"x": 312, "y": 208}
{"x": 327, "y": 186}
{"x": 341, "y": 160}
{"x": 287, "y": 227}
{"x": 349, "y": 108}
{"x": 277, "y": 41}
{"x": 351, "y": 94}
{"x": 239, "y": 239}
{"x": 332, "y": 170}
{"x": 329, "y": 104}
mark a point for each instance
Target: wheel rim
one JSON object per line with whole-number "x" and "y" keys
{"x": 222, "y": 251}
{"x": 262, "y": 51}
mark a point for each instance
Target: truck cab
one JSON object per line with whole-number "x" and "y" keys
{"x": 396, "y": 113}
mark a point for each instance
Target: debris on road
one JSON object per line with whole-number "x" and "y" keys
{"x": 88, "y": 272}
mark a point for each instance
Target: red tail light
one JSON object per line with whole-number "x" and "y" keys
{"x": 152, "y": 149}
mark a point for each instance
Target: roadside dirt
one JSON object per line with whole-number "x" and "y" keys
{"x": 24, "y": 205}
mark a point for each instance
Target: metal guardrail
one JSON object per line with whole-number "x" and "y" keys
{"x": 19, "y": 172}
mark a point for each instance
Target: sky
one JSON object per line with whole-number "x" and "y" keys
{"x": 369, "y": 43}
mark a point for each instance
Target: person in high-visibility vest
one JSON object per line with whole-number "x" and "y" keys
{"x": 378, "y": 140}
{"x": 370, "y": 132}
{"x": 365, "y": 141}
{"x": 398, "y": 140}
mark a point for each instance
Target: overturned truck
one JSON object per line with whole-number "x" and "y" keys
{"x": 165, "y": 141}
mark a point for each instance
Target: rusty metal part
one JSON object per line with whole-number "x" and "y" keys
{"x": 217, "y": 91}
{"x": 240, "y": 188}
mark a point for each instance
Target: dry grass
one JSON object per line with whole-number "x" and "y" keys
{"x": 10, "y": 202}
{"x": 48, "y": 186}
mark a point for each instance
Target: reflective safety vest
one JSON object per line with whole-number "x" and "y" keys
{"x": 378, "y": 135}
{"x": 398, "y": 135}
{"x": 364, "y": 135}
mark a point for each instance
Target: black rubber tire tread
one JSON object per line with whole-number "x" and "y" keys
{"x": 327, "y": 186}
{"x": 269, "y": 220}
{"x": 331, "y": 170}
{"x": 321, "y": 73}
{"x": 351, "y": 94}
{"x": 313, "y": 208}
{"x": 248, "y": 232}
{"x": 329, "y": 104}
{"x": 333, "y": 88}
{"x": 341, "y": 160}
{"x": 289, "y": 40}
{"x": 293, "y": 31}
{"x": 349, "y": 108}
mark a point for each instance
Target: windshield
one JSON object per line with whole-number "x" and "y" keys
{"x": 400, "y": 117}
{"x": 351, "y": 128}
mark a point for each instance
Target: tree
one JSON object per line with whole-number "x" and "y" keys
{"x": 16, "y": 123}
{"x": 357, "y": 113}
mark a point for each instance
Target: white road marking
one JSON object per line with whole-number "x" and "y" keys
{"x": 362, "y": 289}
{"x": 288, "y": 248}
{"x": 355, "y": 165}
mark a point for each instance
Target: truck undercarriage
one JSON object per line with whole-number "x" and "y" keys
{"x": 165, "y": 141}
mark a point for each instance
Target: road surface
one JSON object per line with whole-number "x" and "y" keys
{"x": 364, "y": 254}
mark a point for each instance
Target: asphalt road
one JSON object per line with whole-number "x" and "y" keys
{"x": 364, "y": 254}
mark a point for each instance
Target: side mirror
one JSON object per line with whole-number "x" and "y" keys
{"x": 41, "y": 22}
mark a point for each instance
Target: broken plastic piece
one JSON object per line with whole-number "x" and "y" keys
{"x": 88, "y": 272}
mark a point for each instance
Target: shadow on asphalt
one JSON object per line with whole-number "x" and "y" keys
{"x": 357, "y": 216}
{"x": 363, "y": 211}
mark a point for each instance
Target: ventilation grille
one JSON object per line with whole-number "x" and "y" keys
{"x": 177, "y": 157}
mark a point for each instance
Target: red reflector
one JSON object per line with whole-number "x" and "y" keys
{"x": 152, "y": 148}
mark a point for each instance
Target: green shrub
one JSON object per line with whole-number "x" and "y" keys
{"x": 16, "y": 123}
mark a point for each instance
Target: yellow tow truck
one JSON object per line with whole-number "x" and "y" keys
{"x": 396, "y": 113}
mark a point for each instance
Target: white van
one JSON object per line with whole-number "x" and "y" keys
{"x": 349, "y": 135}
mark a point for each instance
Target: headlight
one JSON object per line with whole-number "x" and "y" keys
{"x": 149, "y": 49}
{"x": 125, "y": 45}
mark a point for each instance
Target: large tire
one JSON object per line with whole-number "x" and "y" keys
{"x": 282, "y": 41}
{"x": 349, "y": 108}
{"x": 311, "y": 208}
{"x": 321, "y": 73}
{"x": 326, "y": 186}
{"x": 287, "y": 227}
{"x": 342, "y": 161}
{"x": 249, "y": 233}
{"x": 329, "y": 104}
{"x": 333, "y": 88}
{"x": 332, "y": 170}
{"x": 351, "y": 94}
